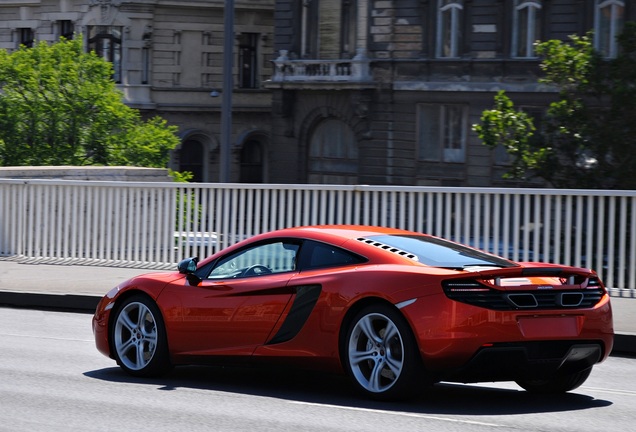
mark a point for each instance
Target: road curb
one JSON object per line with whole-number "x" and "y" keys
{"x": 624, "y": 345}
{"x": 60, "y": 302}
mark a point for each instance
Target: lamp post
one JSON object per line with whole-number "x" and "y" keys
{"x": 226, "y": 101}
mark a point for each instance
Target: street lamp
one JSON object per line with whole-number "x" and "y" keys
{"x": 226, "y": 101}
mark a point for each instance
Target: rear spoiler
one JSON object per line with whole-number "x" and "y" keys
{"x": 572, "y": 277}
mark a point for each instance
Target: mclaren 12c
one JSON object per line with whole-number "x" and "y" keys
{"x": 393, "y": 309}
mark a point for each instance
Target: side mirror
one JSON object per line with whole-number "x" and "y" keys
{"x": 188, "y": 265}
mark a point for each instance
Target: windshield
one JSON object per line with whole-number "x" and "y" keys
{"x": 437, "y": 252}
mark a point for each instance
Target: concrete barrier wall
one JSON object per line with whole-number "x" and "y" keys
{"x": 95, "y": 173}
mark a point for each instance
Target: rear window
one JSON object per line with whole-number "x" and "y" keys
{"x": 436, "y": 252}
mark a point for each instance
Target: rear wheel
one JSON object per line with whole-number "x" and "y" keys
{"x": 139, "y": 338}
{"x": 381, "y": 355}
{"x": 557, "y": 384}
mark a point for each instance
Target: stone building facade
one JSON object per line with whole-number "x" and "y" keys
{"x": 326, "y": 91}
{"x": 168, "y": 61}
{"x": 385, "y": 92}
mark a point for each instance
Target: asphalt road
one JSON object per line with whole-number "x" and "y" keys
{"x": 53, "y": 379}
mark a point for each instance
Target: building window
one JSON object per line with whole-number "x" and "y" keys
{"x": 609, "y": 17}
{"x": 191, "y": 159}
{"x": 309, "y": 34}
{"x": 27, "y": 37}
{"x": 145, "y": 65}
{"x": 252, "y": 162}
{"x": 449, "y": 29}
{"x": 526, "y": 28}
{"x": 442, "y": 132}
{"x": 65, "y": 29}
{"x": 333, "y": 154}
{"x": 248, "y": 59}
{"x": 349, "y": 28}
{"x": 105, "y": 41}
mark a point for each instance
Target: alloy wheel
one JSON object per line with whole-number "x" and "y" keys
{"x": 135, "y": 336}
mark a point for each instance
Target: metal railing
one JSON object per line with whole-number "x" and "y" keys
{"x": 154, "y": 225}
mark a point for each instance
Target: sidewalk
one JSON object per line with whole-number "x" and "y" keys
{"x": 79, "y": 288}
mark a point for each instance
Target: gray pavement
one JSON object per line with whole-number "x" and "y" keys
{"x": 79, "y": 287}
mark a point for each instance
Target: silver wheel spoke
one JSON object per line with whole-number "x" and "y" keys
{"x": 151, "y": 338}
{"x": 141, "y": 358}
{"x": 125, "y": 320}
{"x": 143, "y": 313}
{"x": 368, "y": 330}
{"x": 394, "y": 364}
{"x": 126, "y": 346}
{"x": 376, "y": 376}
{"x": 390, "y": 331}
{"x": 357, "y": 357}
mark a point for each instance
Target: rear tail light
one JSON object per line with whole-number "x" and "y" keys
{"x": 519, "y": 294}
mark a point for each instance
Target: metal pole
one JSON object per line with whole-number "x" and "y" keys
{"x": 228, "y": 85}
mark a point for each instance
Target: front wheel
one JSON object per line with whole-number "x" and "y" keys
{"x": 557, "y": 384}
{"x": 381, "y": 355}
{"x": 139, "y": 338}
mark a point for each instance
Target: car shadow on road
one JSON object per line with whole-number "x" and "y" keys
{"x": 320, "y": 388}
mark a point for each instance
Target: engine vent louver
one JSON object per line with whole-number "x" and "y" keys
{"x": 474, "y": 293}
{"x": 388, "y": 248}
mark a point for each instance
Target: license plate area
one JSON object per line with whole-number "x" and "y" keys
{"x": 535, "y": 327}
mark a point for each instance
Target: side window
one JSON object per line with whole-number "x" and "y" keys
{"x": 276, "y": 257}
{"x": 319, "y": 255}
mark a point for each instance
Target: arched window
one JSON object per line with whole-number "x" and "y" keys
{"x": 106, "y": 42}
{"x": 609, "y": 17}
{"x": 191, "y": 159}
{"x": 525, "y": 28}
{"x": 449, "y": 28}
{"x": 333, "y": 154}
{"x": 252, "y": 162}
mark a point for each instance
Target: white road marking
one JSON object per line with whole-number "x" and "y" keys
{"x": 45, "y": 337}
{"x": 398, "y": 413}
{"x": 610, "y": 391}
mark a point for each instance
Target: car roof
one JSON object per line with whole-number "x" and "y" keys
{"x": 345, "y": 232}
{"x": 338, "y": 235}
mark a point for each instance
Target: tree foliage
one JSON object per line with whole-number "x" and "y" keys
{"x": 60, "y": 106}
{"x": 588, "y": 136}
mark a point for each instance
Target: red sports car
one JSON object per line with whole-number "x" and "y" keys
{"x": 393, "y": 309}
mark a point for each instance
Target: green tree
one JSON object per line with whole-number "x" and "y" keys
{"x": 588, "y": 136}
{"x": 60, "y": 106}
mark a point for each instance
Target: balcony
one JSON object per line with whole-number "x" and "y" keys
{"x": 321, "y": 73}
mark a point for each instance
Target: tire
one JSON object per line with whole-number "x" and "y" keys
{"x": 138, "y": 338}
{"x": 557, "y": 384}
{"x": 380, "y": 354}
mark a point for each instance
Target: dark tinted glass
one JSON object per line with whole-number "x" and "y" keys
{"x": 441, "y": 253}
{"x": 319, "y": 255}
